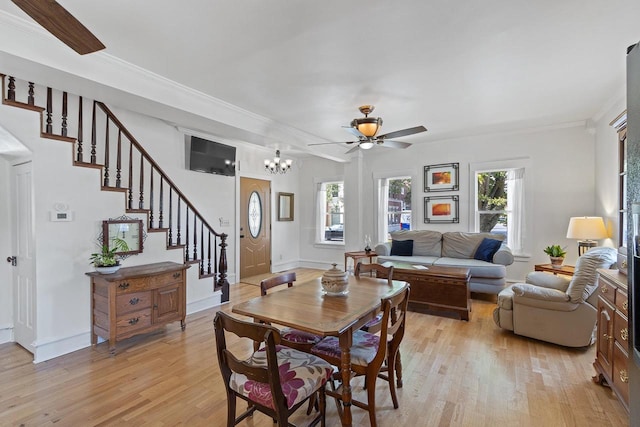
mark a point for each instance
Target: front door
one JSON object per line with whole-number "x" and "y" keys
{"x": 255, "y": 227}
{"x": 24, "y": 287}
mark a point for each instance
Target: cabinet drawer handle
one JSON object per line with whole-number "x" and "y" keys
{"x": 123, "y": 286}
{"x": 607, "y": 336}
{"x": 134, "y": 320}
{"x": 624, "y": 376}
{"x": 176, "y": 275}
{"x": 624, "y": 334}
{"x": 625, "y": 305}
{"x": 605, "y": 290}
{"x": 134, "y": 301}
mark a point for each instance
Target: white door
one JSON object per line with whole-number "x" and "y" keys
{"x": 24, "y": 287}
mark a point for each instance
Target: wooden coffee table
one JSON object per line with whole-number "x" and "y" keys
{"x": 437, "y": 288}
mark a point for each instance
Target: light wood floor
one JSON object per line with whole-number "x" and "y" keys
{"x": 456, "y": 373}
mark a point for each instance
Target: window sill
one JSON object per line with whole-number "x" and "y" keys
{"x": 329, "y": 244}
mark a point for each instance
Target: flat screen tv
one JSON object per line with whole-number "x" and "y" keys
{"x": 210, "y": 157}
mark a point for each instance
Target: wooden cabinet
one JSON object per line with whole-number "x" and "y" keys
{"x": 136, "y": 300}
{"x": 612, "y": 341}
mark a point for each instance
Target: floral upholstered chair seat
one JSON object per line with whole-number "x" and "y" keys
{"x": 300, "y": 376}
{"x": 363, "y": 351}
{"x": 299, "y": 337}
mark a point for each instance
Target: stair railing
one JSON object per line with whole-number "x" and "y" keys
{"x": 128, "y": 168}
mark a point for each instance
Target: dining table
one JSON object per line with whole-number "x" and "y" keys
{"x": 306, "y": 307}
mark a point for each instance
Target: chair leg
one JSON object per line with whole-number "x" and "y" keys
{"x": 398, "y": 369}
{"x": 322, "y": 406}
{"x": 371, "y": 398}
{"x": 391, "y": 358}
{"x": 231, "y": 410}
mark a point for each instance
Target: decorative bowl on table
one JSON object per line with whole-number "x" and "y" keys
{"x": 335, "y": 281}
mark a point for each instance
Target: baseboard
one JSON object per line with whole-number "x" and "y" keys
{"x": 205, "y": 303}
{"x": 284, "y": 266}
{"x": 6, "y": 334}
{"x": 319, "y": 265}
{"x": 46, "y": 350}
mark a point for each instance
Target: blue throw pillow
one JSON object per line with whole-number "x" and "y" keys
{"x": 402, "y": 247}
{"x": 487, "y": 249}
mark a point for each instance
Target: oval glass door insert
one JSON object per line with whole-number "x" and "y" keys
{"x": 255, "y": 214}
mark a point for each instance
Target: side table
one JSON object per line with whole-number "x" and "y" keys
{"x": 355, "y": 256}
{"x": 566, "y": 270}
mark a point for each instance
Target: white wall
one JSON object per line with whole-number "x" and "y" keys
{"x": 6, "y": 274}
{"x": 563, "y": 174}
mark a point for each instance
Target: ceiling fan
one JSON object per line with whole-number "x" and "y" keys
{"x": 365, "y": 129}
{"x": 59, "y": 22}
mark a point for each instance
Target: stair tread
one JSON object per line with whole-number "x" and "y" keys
{"x": 22, "y": 105}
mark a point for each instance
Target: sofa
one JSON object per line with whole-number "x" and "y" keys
{"x": 485, "y": 254}
{"x": 557, "y": 309}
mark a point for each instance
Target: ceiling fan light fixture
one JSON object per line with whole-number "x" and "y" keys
{"x": 366, "y": 145}
{"x": 368, "y": 126}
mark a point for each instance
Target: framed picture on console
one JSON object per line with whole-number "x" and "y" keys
{"x": 441, "y": 209}
{"x": 442, "y": 177}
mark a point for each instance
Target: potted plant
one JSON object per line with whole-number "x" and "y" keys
{"x": 107, "y": 261}
{"x": 556, "y": 255}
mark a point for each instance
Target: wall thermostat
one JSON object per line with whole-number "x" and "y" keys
{"x": 57, "y": 216}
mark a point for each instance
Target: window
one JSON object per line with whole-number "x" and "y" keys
{"x": 394, "y": 205}
{"x": 499, "y": 202}
{"x": 330, "y": 197}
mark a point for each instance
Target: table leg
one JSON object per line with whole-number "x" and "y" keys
{"x": 346, "y": 340}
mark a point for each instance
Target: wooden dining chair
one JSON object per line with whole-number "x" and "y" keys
{"x": 294, "y": 338}
{"x": 275, "y": 380}
{"x": 374, "y": 325}
{"x": 369, "y": 352}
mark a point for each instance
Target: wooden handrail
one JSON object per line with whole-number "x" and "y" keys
{"x": 199, "y": 240}
{"x": 157, "y": 167}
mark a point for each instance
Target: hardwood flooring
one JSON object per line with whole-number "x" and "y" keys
{"x": 456, "y": 373}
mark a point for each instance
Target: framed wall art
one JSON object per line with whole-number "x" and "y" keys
{"x": 442, "y": 177}
{"x": 441, "y": 209}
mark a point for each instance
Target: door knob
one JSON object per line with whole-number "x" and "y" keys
{"x": 13, "y": 260}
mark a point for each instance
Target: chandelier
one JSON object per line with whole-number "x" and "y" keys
{"x": 277, "y": 165}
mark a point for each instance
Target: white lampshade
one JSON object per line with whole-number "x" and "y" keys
{"x": 586, "y": 228}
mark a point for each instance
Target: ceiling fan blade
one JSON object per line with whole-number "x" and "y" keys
{"x": 356, "y": 148}
{"x": 355, "y": 132}
{"x": 403, "y": 132}
{"x": 329, "y": 143}
{"x": 59, "y": 22}
{"x": 395, "y": 144}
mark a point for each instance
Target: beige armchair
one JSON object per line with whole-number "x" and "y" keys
{"x": 557, "y": 309}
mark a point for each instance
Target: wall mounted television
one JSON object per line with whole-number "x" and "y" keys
{"x": 210, "y": 157}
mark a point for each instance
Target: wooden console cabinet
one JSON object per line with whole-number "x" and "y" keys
{"x": 135, "y": 300}
{"x": 612, "y": 341}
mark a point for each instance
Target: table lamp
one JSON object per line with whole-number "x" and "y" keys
{"x": 587, "y": 229}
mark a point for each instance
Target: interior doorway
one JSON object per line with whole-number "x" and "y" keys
{"x": 24, "y": 287}
{"x": 255, "y": 227}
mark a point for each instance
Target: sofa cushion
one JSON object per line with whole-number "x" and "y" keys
{"x": 487, "y": 249}
{"x": 458, "y": 244}
{"x": 425, "y": 242}
{"x": 477, "y": 268}
{"x": 419, "y": 260}
{"x": 402, "y": 247}
{"x": 584, "y": 280}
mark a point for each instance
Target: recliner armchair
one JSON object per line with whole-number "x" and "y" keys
{"x": 557, "y": 309}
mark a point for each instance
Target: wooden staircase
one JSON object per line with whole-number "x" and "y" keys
{"x": 126, "y": 167}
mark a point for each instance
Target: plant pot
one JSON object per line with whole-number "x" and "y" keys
{"x": 556, "y": 261}
{"x": 107, "y": 270}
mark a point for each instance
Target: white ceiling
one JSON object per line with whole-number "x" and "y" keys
{"x": 458, "y": 68}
